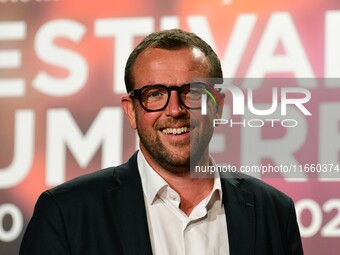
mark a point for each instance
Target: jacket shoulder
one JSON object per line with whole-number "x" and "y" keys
{"x": 96, "y": 183}
{"x": 87, "y": 184}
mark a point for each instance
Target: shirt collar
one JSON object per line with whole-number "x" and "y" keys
{"x": 154, "y": 185}
{"x": 152, "y": 182}
{"x": 217, "y": 180}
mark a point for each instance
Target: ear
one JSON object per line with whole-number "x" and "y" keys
{"x": 129, "y": 110}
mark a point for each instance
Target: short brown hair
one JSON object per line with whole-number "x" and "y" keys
{"x": 173, "y": 39}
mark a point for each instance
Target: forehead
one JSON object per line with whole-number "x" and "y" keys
{"x": 170, "y": 67}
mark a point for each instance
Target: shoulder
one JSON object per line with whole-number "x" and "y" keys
{"x": 86, "y": 192}
{"x": 93, "y": 183}
{"x": 99, "y": 182}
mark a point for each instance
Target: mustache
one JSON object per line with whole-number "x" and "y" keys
{"x": 176, "y": 122}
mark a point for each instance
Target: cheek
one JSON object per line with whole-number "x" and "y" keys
{"x": 206, "y": 122}
{"x": 145, "y": 120}
{"x": 209, "y": 116}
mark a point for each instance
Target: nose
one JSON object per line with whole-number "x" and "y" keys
{"x": 174, "y": 107}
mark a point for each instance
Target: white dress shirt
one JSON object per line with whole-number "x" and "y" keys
{"x": 203, "y": 232}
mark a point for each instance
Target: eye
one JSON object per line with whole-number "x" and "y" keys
{"x": 194, "y": 93}
{"x": 152, "y": 94}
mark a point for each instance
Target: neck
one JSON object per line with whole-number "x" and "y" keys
{"x": 191, "y": 190}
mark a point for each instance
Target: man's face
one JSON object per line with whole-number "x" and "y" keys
{"x": 165, "y": 135}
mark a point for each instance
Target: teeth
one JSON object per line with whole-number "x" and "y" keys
{"x": 176, "y": 131}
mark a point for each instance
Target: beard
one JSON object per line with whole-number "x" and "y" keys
{"x": 180, "y": 162}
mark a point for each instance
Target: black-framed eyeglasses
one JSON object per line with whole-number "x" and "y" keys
{"x": 154, "y": 98}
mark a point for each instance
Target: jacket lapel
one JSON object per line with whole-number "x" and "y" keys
{"x": 128, "y": 209}
{"x": 129, "y": 215}
{"x": 240, "y": 212}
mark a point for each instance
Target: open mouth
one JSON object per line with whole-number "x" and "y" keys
{"x": 176, "y": 131}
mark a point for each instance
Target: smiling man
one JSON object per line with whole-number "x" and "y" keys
{"x": 151, "y": 204}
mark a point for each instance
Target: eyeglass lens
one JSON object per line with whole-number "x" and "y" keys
{"x": 156, "y": 97}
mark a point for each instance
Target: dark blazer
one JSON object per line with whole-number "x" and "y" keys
{"x": 104, "y": 213}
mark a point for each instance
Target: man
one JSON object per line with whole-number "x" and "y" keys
{"x": 151, "y": 205}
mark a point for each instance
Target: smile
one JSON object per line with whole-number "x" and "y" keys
{"x": 176, "y": 131}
